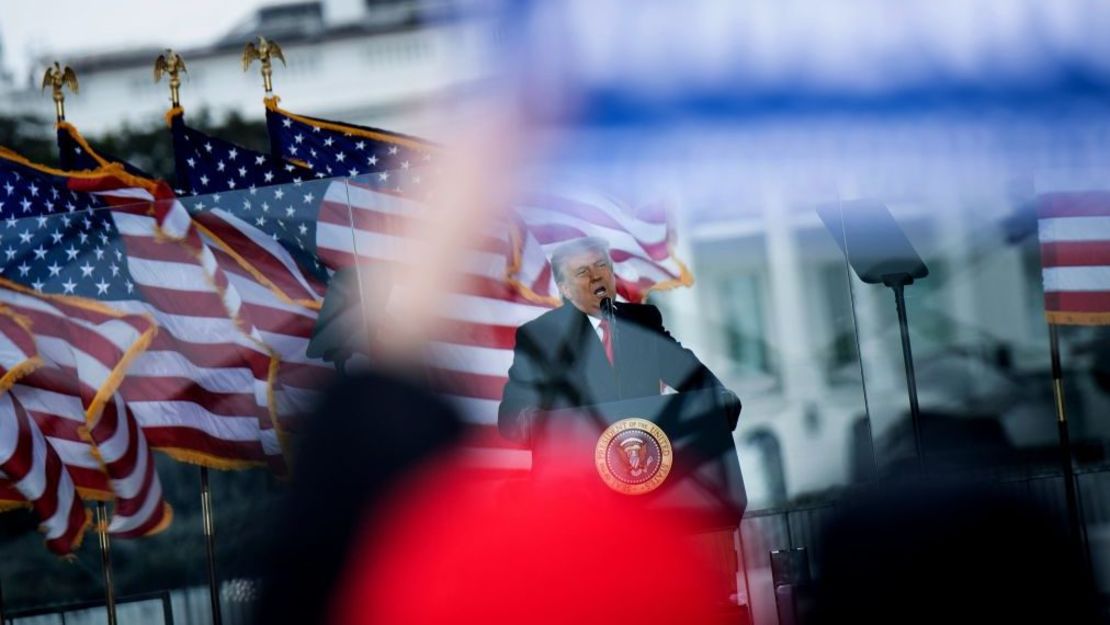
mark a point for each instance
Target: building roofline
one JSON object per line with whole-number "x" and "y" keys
{"x": 145, "y": 55}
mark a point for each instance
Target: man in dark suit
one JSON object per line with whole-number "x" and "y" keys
{"x": 568, "y": 357}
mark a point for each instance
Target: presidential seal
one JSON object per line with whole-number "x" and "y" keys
{"x": 633, "y": 456}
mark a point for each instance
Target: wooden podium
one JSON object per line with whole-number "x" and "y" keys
{"x": 703, "y": 489}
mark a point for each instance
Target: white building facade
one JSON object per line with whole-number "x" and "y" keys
{"x": 394, "y": 65}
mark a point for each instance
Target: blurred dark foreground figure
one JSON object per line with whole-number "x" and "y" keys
{"x": 452, "y": 550}
{"x": 914, "y": 551}
{"x": 369, "y": 433}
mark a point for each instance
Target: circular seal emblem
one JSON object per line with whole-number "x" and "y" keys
{"x": 633, "y": 456}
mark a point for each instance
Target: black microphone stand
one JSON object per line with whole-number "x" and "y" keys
{"x": 898, "y": 283}
{"x": 877, "y": 249}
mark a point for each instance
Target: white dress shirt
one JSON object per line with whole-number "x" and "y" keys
{"x": 596, "y": 323}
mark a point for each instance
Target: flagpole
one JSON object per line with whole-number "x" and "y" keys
{"x": 1068, "y": 471}
{"x": 210, "y": 545}
{"x": 171, "y": 64}
{"x": 106, "y": 560}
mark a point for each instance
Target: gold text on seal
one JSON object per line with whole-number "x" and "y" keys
{"x": 633, "y": 456}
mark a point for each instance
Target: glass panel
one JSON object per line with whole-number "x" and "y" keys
{"x": 990, "y": 221}
{"x": 971, "y": 327}
{"x": 774, "y": 317}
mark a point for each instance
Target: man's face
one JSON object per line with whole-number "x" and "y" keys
{"x": 587, "y": 279}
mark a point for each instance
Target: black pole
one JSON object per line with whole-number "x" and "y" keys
{"x": 106, "y": 560}
{"x": 210, "y": 545}
{"x": 2, "y": 621}
{"x": 1074, "y": 519}
{"x": 898, "y": 285}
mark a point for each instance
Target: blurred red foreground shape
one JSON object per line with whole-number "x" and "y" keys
{"x": 453, "y": 549}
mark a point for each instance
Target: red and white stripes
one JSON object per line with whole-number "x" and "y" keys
{"x": 1074, "y": 231}
{"x": 30, "y": 469}
{"x": 639, "y": 239}
{"x": 201, "y": 392}
{"x": 37, "y": 474}
{"x": 81, "y": 352}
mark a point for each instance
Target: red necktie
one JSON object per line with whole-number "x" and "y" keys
{"x": 607, "y": 340}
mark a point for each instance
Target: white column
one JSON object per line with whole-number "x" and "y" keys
{"x": 798, "y": 368}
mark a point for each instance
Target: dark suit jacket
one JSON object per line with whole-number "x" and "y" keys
{"x": 559, "y": 362}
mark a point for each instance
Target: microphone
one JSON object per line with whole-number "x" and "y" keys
{"x": 607, "y": 307}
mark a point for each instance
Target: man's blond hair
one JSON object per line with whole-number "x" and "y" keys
{"x": 576, "y": 246}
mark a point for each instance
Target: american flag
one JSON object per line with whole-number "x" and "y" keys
{"x": 75, "y": 153}
{"x": 333, "y": 149}
{"x": 325, "y": 224}
{"x": 254, "y": 354}
{"x": 82, "y": 351}
{"x": 241, "y": 197}
{"x": 509, "y": 280}
{"x": 362, "y": 220}
{"x": 198, "y": 391}
{"x": 28, "y": 462}
{"x": 259, "y": 217}
{"x": 56, "y": 402}
{"x": 1074, "y": 231}
{"x": 640, "y": 237}
{"x": 82, "y": 346}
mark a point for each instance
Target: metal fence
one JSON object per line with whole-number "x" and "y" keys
{"x": 183, "y": 606}
{"x": 799, "y": 528}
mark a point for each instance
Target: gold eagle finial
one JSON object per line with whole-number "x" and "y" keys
{"x": 265, "y": 51}
{"x": 171, "y": 63}
{"x": 56, "y": 77}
